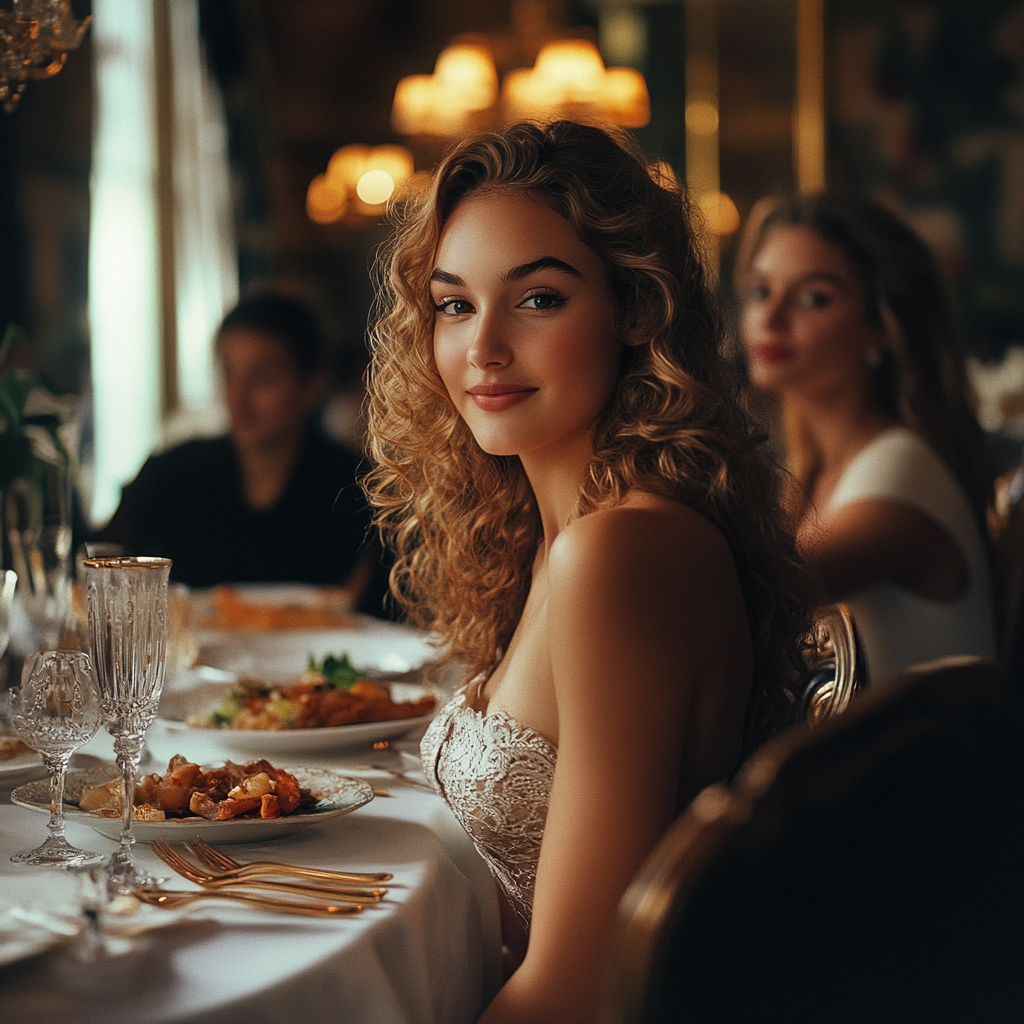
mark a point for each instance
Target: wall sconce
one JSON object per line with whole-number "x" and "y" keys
{"x": 569, "y": 79}
{"x": 358, "y": 183}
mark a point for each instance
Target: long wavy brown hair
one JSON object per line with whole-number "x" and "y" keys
{"x": 463, "y": 524}
{"x": 920, "y": 380}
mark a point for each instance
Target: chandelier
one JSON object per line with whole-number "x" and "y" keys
{"x": 35, "y": 39}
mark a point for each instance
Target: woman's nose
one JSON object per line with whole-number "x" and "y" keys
{"x": 489, "y": 348}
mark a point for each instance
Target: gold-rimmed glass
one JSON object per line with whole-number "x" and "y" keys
{"x": 127, "y": 600}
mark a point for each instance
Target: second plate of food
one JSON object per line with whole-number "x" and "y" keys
{"x": 336, "y": 793}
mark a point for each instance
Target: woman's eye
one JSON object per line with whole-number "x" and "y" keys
{"x": 757, "y": 293}
{"x": 814, "y": 299}
{"x": 453, "y": 307}
{"x": 543, "y": 300}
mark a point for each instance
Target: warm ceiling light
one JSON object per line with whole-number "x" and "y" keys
{"x": 375, "y": 187}
{"x": 464, "y": 83}
{"x": 467, "y": 73}
{"x": 624, "y": 98}
{"x": 570, "y": 80}
{"x": 324, "y": 203}
{"x": 719, "y": 212}
{"x": 358, "y": 182}
{"x": 702, "y": 117}
{"x": 348, "y": 164}
{"x": 571, "y": 68}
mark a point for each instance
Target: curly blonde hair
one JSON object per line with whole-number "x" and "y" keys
{"x": 463, "y": 524}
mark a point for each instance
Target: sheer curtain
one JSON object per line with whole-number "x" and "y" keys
{"x": 135, "y": 269}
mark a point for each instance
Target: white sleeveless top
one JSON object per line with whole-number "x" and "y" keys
{"x": 899, "y": 628}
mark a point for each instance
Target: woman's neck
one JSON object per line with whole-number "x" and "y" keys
{"x": 266, "y": 470}
{"x": 556, "y": 481}
{"x": 836, "y": 431}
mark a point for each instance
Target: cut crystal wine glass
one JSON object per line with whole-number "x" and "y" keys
{"x": 127, "y": 600}
{"x": 55, "y": 710}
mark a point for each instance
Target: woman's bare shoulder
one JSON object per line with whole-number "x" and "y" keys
{"x": 645, "y": 529}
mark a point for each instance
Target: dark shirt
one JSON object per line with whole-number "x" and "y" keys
{"x": 188, "y": 504}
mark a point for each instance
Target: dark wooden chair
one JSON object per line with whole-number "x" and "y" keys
{"x": 1008, "y": 563}
{"x": 865, "y": 870}
{"x": 836, "y": 668}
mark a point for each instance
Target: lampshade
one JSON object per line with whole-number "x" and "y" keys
{"x": 464, "y": 83}
{"x": 358, "y": 183}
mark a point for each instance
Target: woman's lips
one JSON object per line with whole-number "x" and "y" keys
{"x": 771, "y": 353}
{"x": 498, "y": 397}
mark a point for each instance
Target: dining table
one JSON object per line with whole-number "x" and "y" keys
{"x": 430, "y": 951}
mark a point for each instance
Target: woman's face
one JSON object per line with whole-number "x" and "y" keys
{"x": 804, "y": 320}
{"x": 268, "y": 399}
{"x": 524, "y": 326}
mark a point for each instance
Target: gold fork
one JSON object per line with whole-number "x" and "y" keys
{"x": 220, "y": 880}
{"x": 219, "y": 861}
{"x": 169, "y": 899}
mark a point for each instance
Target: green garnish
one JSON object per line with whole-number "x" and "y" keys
{"x": 338, "y": 672}
{"x": 227, "y": 712}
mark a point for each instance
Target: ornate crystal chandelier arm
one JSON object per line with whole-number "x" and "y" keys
{"x": 35, "y": 39}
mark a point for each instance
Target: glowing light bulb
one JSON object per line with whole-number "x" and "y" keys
{"x": 375, "y": 187}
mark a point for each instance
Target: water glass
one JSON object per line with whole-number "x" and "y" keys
{"x": 55, "y": 710}
{"x": 37, "y": 518}
{"x": 127, "y": 600}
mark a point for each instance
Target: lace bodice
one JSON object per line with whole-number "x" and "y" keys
{"x": 496, "y": 776}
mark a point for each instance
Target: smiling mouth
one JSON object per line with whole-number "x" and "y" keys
{"x": 492, "y": 390}
{"x": 498, "y": 397}
{"x": 771, "y": 353}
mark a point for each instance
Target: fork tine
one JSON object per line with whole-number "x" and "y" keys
{"x": 210, "y": 856}
{"x": 219, "y": 861}
{"x": 230, "y": 879}
{"x": 176, "y": 862}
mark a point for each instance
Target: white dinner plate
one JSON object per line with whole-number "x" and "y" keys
{"x": 337, "y": 793}
{"x": 179, "y": 704}
{"x": 20, "y": 767}
{"x": 375, "y": 646}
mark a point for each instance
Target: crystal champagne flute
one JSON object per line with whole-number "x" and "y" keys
{"x": 127, "y": 600}
{"x": 55, "y": 710}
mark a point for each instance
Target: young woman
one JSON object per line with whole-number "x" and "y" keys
{"x": 580, "y": 506}
{"x": 846, "y": 319}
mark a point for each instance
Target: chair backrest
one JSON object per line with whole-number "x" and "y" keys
{"x": 836, "y": 668}
{"x": 1009, "y": 587}
{"x": 867, "y": 870}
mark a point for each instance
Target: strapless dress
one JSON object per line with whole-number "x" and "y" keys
{"x": 496, "y": 776}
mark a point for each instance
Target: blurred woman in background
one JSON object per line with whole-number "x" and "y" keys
{"x": 845, "y": 318}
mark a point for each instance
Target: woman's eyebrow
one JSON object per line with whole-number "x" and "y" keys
{"x": 544, "y": 263}
{"x": 443, "y": 277}
{"x": 513, "y": 275}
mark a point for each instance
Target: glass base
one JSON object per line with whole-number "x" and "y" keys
{"x": 123, "y": 875}
{"x": 55, "y": 851}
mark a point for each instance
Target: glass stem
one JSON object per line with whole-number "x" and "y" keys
{"x": 128, "y": 752}
{"x": 57, "y": 766}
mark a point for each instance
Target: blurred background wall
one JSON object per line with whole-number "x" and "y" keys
{"x": 923, "y": 106}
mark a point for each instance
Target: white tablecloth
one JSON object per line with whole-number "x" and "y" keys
{"x": 430, "y": 952}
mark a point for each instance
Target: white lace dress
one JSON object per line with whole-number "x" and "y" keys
{"x": 496, "y": 776}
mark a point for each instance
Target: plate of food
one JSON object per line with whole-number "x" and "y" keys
{"x": 17, "y": 761}
{"x": 377, "y": 647}
{"x": 225, "y": 803}
{"x": 275, "y": 606}
{"x": 330, "y": 706}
